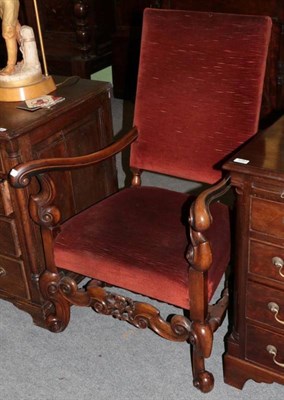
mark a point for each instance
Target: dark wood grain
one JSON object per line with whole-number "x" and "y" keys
{"x": 259, "y": 248}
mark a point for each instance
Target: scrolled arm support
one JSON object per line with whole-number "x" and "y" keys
{"x": 42, "y": 208}
{"x": 200, "y": 217}
{"x": 199, "y": 253}
{"x": 20, "y": 175}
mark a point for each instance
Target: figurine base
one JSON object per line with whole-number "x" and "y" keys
{"x": 45, "y": 86}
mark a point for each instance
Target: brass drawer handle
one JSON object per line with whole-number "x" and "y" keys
{"x": 2, "y": 272}
{"x": 273, "y": 351}
{"x": 274, "y": 308}
{"x": 279, "y": 263}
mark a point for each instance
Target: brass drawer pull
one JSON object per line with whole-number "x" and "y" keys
{"x": 274, "y": 308}
{"x": 2, "y": 272}
{"x": 279, "y": 263}
{"x": 273, "y": 351}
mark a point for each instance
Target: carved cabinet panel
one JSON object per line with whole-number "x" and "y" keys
{"x": 79, "y": 125}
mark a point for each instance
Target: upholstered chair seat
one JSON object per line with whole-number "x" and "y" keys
{"x": 138, "y": 237}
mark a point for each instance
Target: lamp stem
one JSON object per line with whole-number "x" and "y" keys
{"x": 40, "y": 38}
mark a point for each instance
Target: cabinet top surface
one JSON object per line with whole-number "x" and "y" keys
{"x": 263, "y": 155}
{"x": 16, "y": 122}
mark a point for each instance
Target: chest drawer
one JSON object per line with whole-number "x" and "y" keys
{"x": 265, "y": 305}
{"x": 266, "y": 260}
{"x": 267, "y": 217}
{"x": 13, "y": 278}
{"x": 259, "y": 343}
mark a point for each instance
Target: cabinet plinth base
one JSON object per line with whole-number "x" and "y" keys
{"x": 238, "y": 371}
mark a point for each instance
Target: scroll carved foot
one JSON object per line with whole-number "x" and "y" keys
{"x": 202, "y": 346}
{"x": 204, "y": 381}
{"x": 59, "y": 318}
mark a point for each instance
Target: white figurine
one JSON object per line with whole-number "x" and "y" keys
{"x": 30, "y": 63}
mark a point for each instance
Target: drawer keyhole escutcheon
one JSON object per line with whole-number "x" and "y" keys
{"x": 274, "y": 308}
{"x": 279, "y": 263}
{"x": 272, "y": 350}
{"x": 2, "y": 272}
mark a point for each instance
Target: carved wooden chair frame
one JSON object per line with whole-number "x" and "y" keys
{"x": 62, "y": 291}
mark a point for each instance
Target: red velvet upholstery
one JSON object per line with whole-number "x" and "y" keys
{"x": 137, "y": 239}
{"x": 199, "y": 90}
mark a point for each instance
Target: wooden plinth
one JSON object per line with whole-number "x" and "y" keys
{"x": 45, "y": 86}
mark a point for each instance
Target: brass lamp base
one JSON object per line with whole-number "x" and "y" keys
{"x": 45, "y": 86}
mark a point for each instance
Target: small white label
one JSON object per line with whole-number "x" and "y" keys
{"x": 2, "y": 129}
{"x": 14, "y": 172}
{"x": 241, "y": 161}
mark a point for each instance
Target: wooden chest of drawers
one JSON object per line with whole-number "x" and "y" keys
{"x": 79, "y": 125}
{"x": 256, "y": 344}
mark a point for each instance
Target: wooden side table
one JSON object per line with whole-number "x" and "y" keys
{"x": 79, "y": 125}
{"x": 256, "y": 344}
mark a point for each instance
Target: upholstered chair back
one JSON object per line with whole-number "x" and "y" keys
{"x": 199, "y": 90}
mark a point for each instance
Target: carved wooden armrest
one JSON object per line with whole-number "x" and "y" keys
{"x": 20, "y": 175}
{"x": 199, "y": 254}
{"x": 200, "y": 216}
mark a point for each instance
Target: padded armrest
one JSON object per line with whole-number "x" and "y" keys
{"x": 20, "y": 175}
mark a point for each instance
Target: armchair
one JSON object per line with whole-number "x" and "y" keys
{"x": 165, "y": 245}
